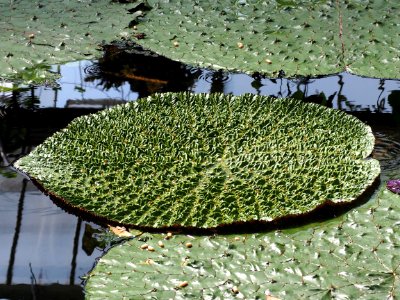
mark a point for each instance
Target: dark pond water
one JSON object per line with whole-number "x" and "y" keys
{"x": 44, "y": 252}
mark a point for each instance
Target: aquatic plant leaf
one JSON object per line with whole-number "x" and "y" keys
{"x": 36, "y": 75}
{"x": 351, "y": 257}
{"x": 297, "y": 37}
{"x": 53, "y": 32}
{"x": 371, "y": 37}
{"x": 206, "y": 160}
{"x": 276, "y": 38}
{"x": 253, "y": 36}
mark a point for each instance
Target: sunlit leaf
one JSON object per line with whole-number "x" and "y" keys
{"x": 34, "y": 34}
{"x": 205, "y": 160}
{"x": 315, "y": 261}
{"x": 304, "y": 37}
{"x": 120, "y": 231}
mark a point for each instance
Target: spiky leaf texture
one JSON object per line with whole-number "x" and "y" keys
{"x": 352, "y": 257}
{"x": 306, "y": 37}
{"x": 205, "y": 160}
{"x": 34, "y": 33}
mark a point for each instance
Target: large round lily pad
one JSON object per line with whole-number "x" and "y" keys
{"x": 204, "y": 160}
{"x": 352, "y": 257}
{"x": 307, "y": 37}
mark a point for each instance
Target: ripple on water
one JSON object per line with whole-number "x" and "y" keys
{"x": 387, "y": 151}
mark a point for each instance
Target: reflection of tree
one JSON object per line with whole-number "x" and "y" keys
{"x": 21, "y": 97}
{"x": 16, "y": 234}
{"x": 342, "y": 102}
{"x": 380, "y": 102}
{"x": 217, "y": 82}
{"x": 89, "y": 241}
{"x": 257, "y": 82}
{"x": 21, "y": 128}
{"x": 394, "y": 102}
{"x": 75, "y": 252}
{"x": 98, "y": 238}
{"x": 146, "y": 72}
{"x": 319, "y": 98}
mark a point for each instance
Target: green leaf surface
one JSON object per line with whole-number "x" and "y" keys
{"x": 52, "y": 32}
{"x": 327, "y": 261}
{"x": 309, "y": 37}
{"x": 370, "y": 34}
{"x": 204, "y": 160}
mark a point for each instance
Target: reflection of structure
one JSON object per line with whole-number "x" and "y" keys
{"x": 52, "y": 238}
{"x": 19, "y": 97}
{"x": 20, "y": 131}
{"x": 146, "y": 72}
{"x": 16, "y": 235}
{"x": 17, "y": 264}
{"x": 50, "y": 292}
{"x": 93, "y": 103}
{"x": 23, "y": 128}
{"x": 394, "y": 102}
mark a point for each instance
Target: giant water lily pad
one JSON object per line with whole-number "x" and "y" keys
{"x": 371, "y": 35}
{"x": 308, "y": 37}
{"x": 352, "y": 257}
{"x": 50, "y": 32}
{"x": 205, "y": 160}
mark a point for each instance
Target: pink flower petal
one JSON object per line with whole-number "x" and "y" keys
{"x": 394, "y": 186}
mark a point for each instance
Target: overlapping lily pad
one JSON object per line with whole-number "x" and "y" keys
{"x": 352, "y": 257}
{"x": 371, "y": 37}
{"x": 204, "y": 160}
{"x": 51, "y": 32}
{"x": 308, "y": 37}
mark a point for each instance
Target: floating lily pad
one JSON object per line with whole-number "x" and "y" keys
{"x": 306, "y": 37}
{"x": 51, "y": 32}
{"x": 352, "y": 257}
{"x": 371, "y": 32}
{"x": 185, "y": 160}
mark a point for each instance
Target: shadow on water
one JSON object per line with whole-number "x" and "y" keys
{"x": 45, "y": 251}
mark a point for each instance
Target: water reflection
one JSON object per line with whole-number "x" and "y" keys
{"x": 394, "y": 102}
{"x": 144, "y": 72}
{"x": 127, "y": 72}
{"x": 42, "y": 253}
{"x": 40, "y": 244}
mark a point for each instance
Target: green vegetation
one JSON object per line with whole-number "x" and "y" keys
{"x": 351, "y": 257}
{"x": 308, "y": 37}
{"x": 44, "y": 33}
{"x": 206, "y": 160}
